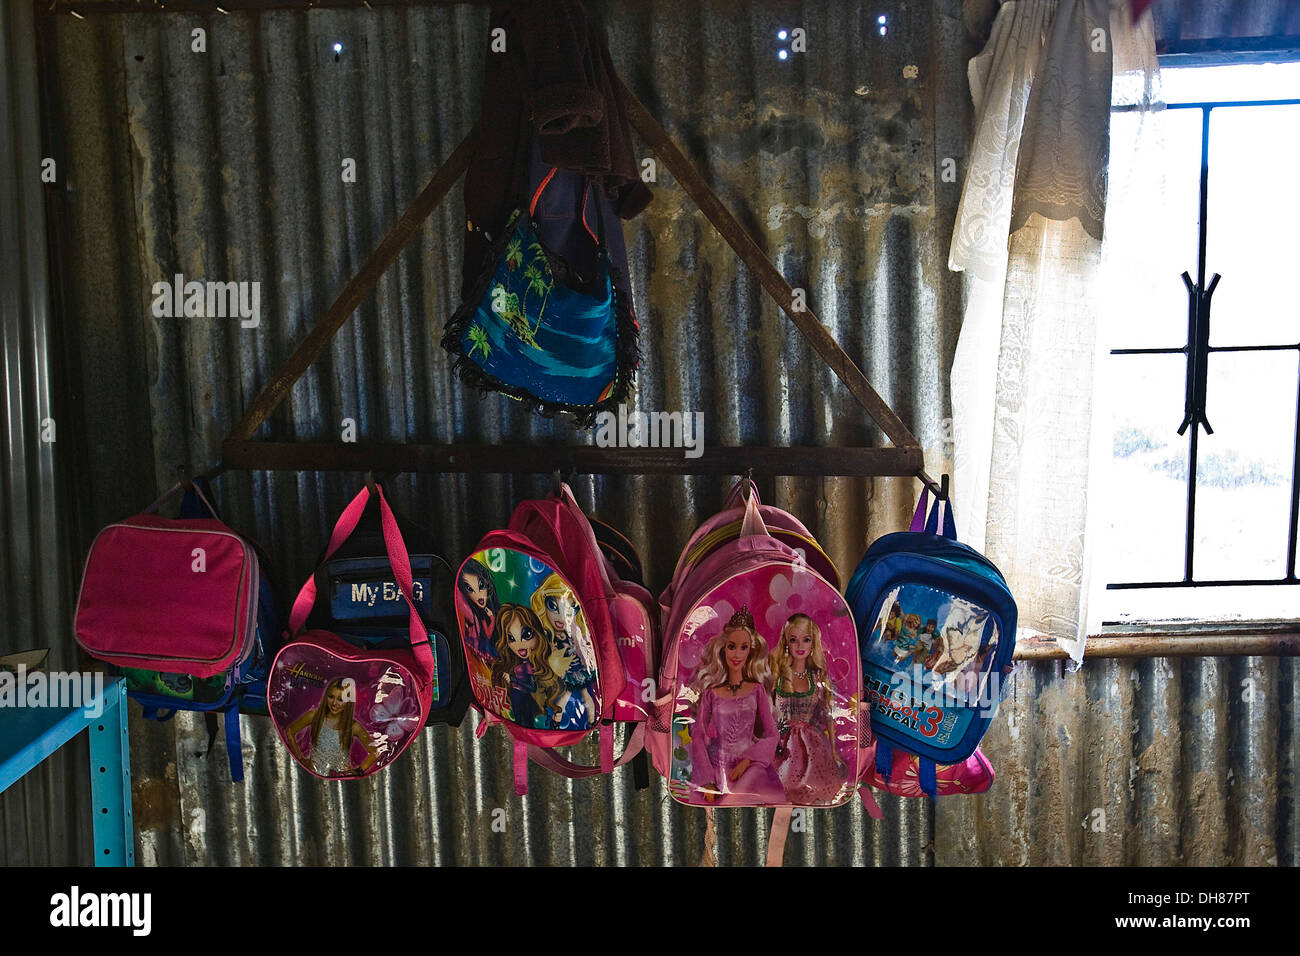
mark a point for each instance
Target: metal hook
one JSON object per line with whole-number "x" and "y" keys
{"x": 937, "y": 488}
{"x": 183, "y": 476}
{"x": 370, "y": 484}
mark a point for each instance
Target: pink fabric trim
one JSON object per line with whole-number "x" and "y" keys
{"x": 780, "y": 830}
{"x": 521, "y": 768}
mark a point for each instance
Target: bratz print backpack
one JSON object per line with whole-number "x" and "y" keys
{"x": 938, "y": 628}
{"x": 761, "y": 678}
{"x": 538, "y": 611}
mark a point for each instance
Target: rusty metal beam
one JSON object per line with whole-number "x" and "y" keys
{"x": 585, "y": 459}
{"x": 769, "y": 277}
{"x": 358, "y": 287}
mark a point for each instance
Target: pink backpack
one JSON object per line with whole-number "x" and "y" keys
{"x": 541, "y": 617}
{"x": 346, "y": 711}
{"x": 177, "y": 595}
{"x": 761, "y": 682}
{"x": 175, "y": 604}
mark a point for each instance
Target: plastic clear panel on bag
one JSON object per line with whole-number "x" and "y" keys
{"x": 926, "y": 663}
{"x": 767, "y": 694}
{"x": 342, "y": 718}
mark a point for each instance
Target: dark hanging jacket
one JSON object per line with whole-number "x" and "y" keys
{"x": 550, "y": 99}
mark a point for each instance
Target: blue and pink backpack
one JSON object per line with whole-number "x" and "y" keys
{"x": 938, "y": 629}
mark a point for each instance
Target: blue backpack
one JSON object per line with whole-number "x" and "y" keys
{"x": 937, "y": 628}
{"x": 242, "y": 687}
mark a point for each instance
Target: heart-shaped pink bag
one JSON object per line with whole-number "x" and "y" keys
{"x": 346, "y": 711}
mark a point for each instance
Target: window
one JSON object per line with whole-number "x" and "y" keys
{"x": 1202, "y": 375}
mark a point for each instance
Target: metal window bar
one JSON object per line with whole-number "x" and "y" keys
{"x": 1197, "y": 351}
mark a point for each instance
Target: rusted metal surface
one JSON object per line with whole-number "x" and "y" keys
{"x": 1280, "y": 640}
{"x": 522, "y": 459}
{"x": 226, "y": 166}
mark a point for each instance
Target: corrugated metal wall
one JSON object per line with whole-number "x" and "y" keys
{"x": 48, "y": 812}
{"x": 225, "y": 165}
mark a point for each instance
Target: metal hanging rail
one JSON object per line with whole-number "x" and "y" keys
{"x": 905, "y": 458}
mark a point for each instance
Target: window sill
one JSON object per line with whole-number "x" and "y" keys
{"x": 1255, "y": 639}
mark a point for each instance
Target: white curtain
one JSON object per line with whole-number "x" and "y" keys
{"x": 1029, "y": 236}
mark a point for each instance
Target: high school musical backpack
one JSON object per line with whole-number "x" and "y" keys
{"x": 938, "y": 630}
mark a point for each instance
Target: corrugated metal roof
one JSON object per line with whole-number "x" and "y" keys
{"x": 225, "y": 165}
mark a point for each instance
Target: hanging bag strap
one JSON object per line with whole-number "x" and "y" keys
{"x": 548, "y": 758}
{"x": 398, "y": 560}
{"x": 949, "y": 525}
{"x": 166, "y": 495}
{"x": 343, "y": 528}
{"x": 922, "y": 506}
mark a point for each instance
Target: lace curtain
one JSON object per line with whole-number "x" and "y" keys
{"x": 1029, "y": 235}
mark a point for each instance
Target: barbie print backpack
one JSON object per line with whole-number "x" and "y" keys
{"x": 181, "y": 608}
{"x": 761, "y": 678}
{"x": 544, "y": 627}
{"x": 939, "y": 631}
{"x": 347, "y": 709}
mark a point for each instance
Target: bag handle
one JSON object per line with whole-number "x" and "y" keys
{"x": 343, "y": 528}
{"x": 401, "y": 564}
{"x": 545, "y": 757}
{"x": 162, "y": 499}
{"x": 589, "y": 534}
{"x": 752, "y": 525}
{"x": 398, "y": 560}
{"x": 949, "y": 524}
{"x": 922, "y": 506}
{"x": 736, "y": 496}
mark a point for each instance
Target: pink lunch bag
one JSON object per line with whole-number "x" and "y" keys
{"x": 346, "y": 711}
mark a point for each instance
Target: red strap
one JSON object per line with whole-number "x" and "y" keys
{"x": 869, "y": 803}
{"x": 545, "y": 757}
{"x": 401, "y": 564}
{"x": 398, "y": 559}
{"x": 585, "y": 193}
{"x": 780, "y": 830}
{"x": 546, "y": 181}
{"x": 346, "y": 524}
{"x": 606, "y": 749}
{"x": 521, "y": 768}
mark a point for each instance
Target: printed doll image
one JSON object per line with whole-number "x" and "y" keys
{"x": 734, "y": 737}
{"x": 905, "y": 642}
{"x": 960, "y": 636}
{"x": 523, "y": 648}
{"x": 892, "y": 624}
{"x": 333, "y": 729}
{"x": 966, "y": 683}
{"x": 926, "y": 644}
{"x": 806, "y": 762}
{"x": 480, "y": 593}
{"x": 557, "y": 606}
